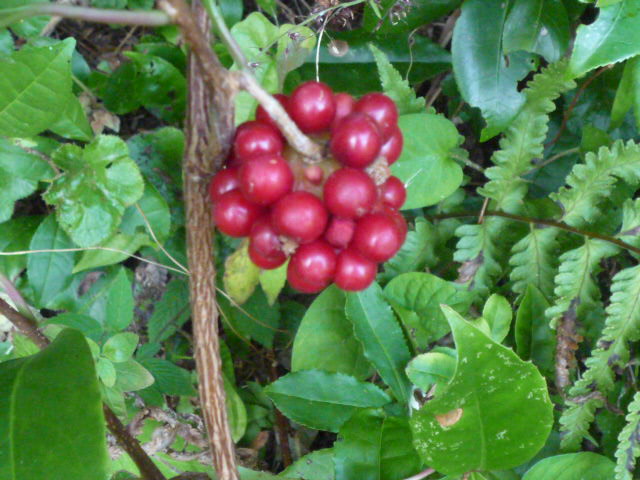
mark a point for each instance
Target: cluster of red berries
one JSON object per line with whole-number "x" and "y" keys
{"x": 336, "y": 219}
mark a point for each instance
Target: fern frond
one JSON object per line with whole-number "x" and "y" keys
{"x": 524, "y": 139}
{"x": 630, "y": 229}
{"x": 578, "y": 416}
{"x": 629, "y": 442}
{"x": 534, "y": 260}
{"x": 575, "y": 286}
{"x": 590, "y": 182}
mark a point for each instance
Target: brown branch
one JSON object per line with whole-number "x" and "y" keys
{"x": 205, "y": 145}
{"x": 147, "y": 468}
{"x": 282, "y": 426}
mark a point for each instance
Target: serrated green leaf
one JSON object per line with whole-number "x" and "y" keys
{"x": 583, "y": 465}
{"x": 255, "y": 319}
{"x": 99, "y": 182}
{"x": 169, "y": 378}
{"x": 395, "y": 86}
{"x": 425, "y": 165}
{"x": 494, "y": 414}
{"x": 317, "y": 465}
{"x": 43, "y": 398}
{"x": 241, "y": 275}
{"x": 325, "y": 339}
{"x": 170, "y": 312}
{"x": 322, "y": 400}
{"x": 273, "y": 281}
{"x": 20, "y": 173}
{"x": 117, "y": 248}
{"x": 381, "y": 337}
{"x": 131, "y": 376}
{"x": 119, "y": 311}
{"x": 34, "y": 85}
{"x": 120, "y": 347}
{"x": 628, "y": 450}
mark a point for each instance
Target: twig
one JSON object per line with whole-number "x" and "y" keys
{"x": 147, "y": 468}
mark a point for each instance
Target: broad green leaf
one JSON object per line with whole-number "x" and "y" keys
{"x": 425, "y": 165}
{"x": 49, "y": 273}
{"x": 325, "y": 339}
{"x": 395, "y": 86}
{"x": 114, "y": 398}
{"x": 381, "y": 337}
{"x": 484, "y": 77}
{"x": 51, "y": 421}
{"x": 170, "y": 312}
{"x": 132, "y": 376}
{"x": 322, "y": 400}
{"x": 317, "y": 465}
{"x": 106, "y": 371}
{"x": 375, "y": 447}
{"x": 236, "y": 411}
{"x": 241, "y": 275}
{"x": 16, "y": 236}
{"x": 99, "y": 182}
{"x": 35, "y": 83}
{"x": 117, "y": 248}
{"x": 273, "y": 281}
{"x": 154, "y": 209}
{"x": 537, "y": 26}
{"x": 255, "y": 319}
{"x": 626, "y": 92}
{"x": 20, "y": 173}
{"x": 396, "y": 18}
{"x": 423, "y": 293}
{"x": 72, "y": 123}
{"x": 294, "y": 44}
{"x": 86, "y": 324}
{"x": 6, "y": 42}
{"x": 494, "y": 414}
{"x": 435, "y": 367}
{"x": 572, "y": 466}
{"x": 120, "y": 347}
{"x": 613, "y": 37}
{"x": 535, "y": 340}
{"x": 497, "y": 312}
{"x": 169, "y": 378}
{"x": 119, "y": 312}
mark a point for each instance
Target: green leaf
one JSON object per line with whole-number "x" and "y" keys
{"x": 273, "y": 281}
{"x": 6, "y": 42}
{"x": 375, "y": 447}
{"x": 395, "y": 18}
{"x": 169, "y": 378}
{"x": 17, "y": 234}
{"x": 106, "y": 371}
{"x": 497, "y": 312}
{"x": 51, "y": 421}
{"x": 295, "y": 42}
{"x": 583, "y": 465}
{"x": 120, "y": 347}
{"x": 72, "y": 122}
{"x": 98, "y": 184}
{"x": 381, "y": 337}
{"x": 534, "y": 338}
{"x": 20, "y": 173}
{"x": 236, "y": 411}
{"x": 395, "y": 86}
{"x": 325, "y": 339}
{"x": 425, "y": 165}
{"x": 241, "y": 275}
{"x": 423, "y": 294}
{"x": 537, "y": 26}
{"x": 86, "y": 324}
{"x": 171, "y": 312}
{"x": 119, "y": 313}
{"x": 117, "y": 248}
{"x": 317, "y": 465}
{"x": 255, "y": 319}
{"x": 432, "y": 368}
{"x": 628, "y": 449}
{"x": 35, "y": 83}
{"x": 154, "y": 209}
{"x": 484, "y": 77}
{"x": 322, "y": 400}
{"x": 49, "y": 272}
{"x": 416, "y": 251}
{"x": 494, "y": 414}
{"x": 613, "y": 37}
{"x": 132, "y": 376}
{"x": 627, "y": 94}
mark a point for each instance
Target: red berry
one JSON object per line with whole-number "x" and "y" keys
{"x": 265, "y": 248}
{"x": 264, "y": 117}
{"x": 392, "y": 148}
{"x": 312, "y": 107}
{"x": 222, "y": 182}
{"x": 340, "y": 232}
{"x": 234, "y": 215}
{"x": 377, "y": 237}
{"x": 382, "y": 109}
{"x": 311, "y": 267}
{"x": 393, "y": 193}
{"x": 300, "y": 215}
{"x": 356, "y": 141}
{"x": 349, "y": 193}
{"x": 263, "y": 180}
{"x": 254, "y": 139}
{"x": 314, "y": 174}
{"x": 353, "y": 271}
{"x": 344, "y": 106}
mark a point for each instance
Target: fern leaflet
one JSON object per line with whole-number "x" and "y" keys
{"x": 629, "y": 442}
{"x": 534, "y": 260}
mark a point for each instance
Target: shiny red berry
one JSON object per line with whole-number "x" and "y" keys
{"x": 234, "y": 215}
{"x": 254, "y": 139}
{"x": 312, "y": 107}
{"x": 392, "y": 148}
{"x": 300, "y": 216}
{"x": 344, "y": 106}
{"x": 222, "y": 182}
{"x": 349, "y": 193}
{"x": 356, "y": 141}
{"x": 382, "y": 109}
{"x": 340, "y": 232}
{"x": 311, "y": 267}
{"x": 353, "y": 271}
{"x": 265, "y": 249}
{"x": 263, "y": 180}
{"x": 377, "y": 237}
{"x": 393, "y": 193}
{"x": 264, "y": 117}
